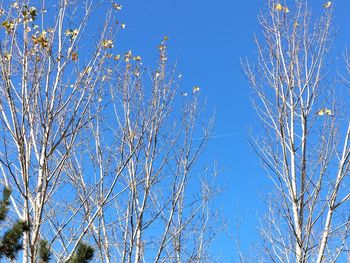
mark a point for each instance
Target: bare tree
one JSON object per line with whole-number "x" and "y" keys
{"x": 305, "y": 147}
{"x": 142, "y": 161}
{"x": 95, "y": 147}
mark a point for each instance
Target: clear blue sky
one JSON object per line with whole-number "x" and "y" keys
{"x": 206, "y": 40}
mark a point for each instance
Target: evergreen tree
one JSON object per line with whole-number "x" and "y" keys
{"x": 84, "y": 254}
{"x": 11, "y": 242}
{"x": 4, "y": 203}
{"x": 44, "y": 251}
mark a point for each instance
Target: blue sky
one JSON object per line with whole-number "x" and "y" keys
{"x": 207, "y": 40}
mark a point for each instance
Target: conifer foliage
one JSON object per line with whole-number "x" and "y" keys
{"x": 84, "y": 254}
{"x": 11, "y": 241}
{"x": 44, "y": 251}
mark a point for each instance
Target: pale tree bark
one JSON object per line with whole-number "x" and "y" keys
{"x": 95, "y": 147}
{"x": 46, "y": 93}
{"x": 301, "y": 149}
{"x": 154, "y": 215}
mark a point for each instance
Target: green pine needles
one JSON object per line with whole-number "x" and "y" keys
{"x": 84, "y": 254}
{"x": 44, "y": 251}
{"x": 4, "y": 203}
{"x": 11, "y": 241}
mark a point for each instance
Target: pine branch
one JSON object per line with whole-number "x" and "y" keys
{"x": 84, "y": 254}
{"x": 44, "y": 251}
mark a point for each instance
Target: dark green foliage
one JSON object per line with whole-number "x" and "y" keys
{"x": 84, "y": 254}
{"x": 44, "y": 251}
{"x": 11, "y": 242}
{"x": 4, "y": 203}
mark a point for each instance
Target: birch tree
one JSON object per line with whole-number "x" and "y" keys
{"x": 97, "y": 149}
{"x": 142, "y": 162}
{"x": 45, "y": 96}
{"x": 304, "y": 148}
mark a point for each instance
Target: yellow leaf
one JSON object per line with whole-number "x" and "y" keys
{"x": 41, "y": 40}
{"x": 137, "y": 58}
{"x": 328, "y": 112}
{"x": 195, "y": 89}
{"x": 282, "y": 8}
{"x": 117, "y": 57}
{"x": 68, "y": 32}
{"x": 324, "y": 111}
{"x": 75, "y": 56}
{"x": 15, "y": 5}
{"x": 279, "y": 7}
{"x": 8, "y": 25}
{"x": 88, "y": 70}
{"x": 29, "y": 14}
{"x": 32, "y": 12}
{"x": 72, "y": 33}
{"x": 127, "y": 56}
{"x": 7, "y": 56}
{"x": 107, "y": 43}
{"x": 320, "y": 113}
{"x": 117, "y": 6}
{"x": 327, "y": 4}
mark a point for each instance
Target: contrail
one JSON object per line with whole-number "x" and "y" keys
{"x": 217, "y": 136}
